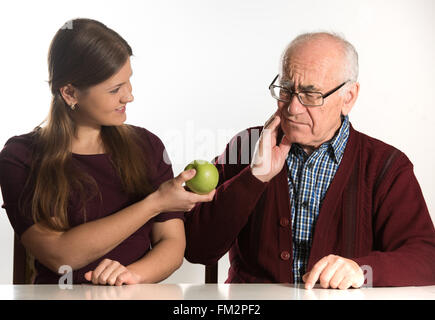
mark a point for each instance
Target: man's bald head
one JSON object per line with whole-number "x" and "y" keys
{"x": 325, "y": 45}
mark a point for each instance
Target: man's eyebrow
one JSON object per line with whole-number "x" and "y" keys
{"x": 290, "y": 85}
{"x": 286, "y": 83}
{"x": 119, "y": 84}
{"x": 309, "y": 87}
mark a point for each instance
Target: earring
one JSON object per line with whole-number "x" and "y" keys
{"x": 73, "y": 106}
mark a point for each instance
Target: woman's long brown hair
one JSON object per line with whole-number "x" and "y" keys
{"x": 83, "y": 53}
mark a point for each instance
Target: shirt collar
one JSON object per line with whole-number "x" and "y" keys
{"x": 337, "y": 144}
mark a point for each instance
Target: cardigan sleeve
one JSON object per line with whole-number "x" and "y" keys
{"x": 404, "y": 236}
{"x": 212, "y": 227}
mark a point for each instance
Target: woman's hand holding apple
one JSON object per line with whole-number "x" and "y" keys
{"x": 172, "y": 196}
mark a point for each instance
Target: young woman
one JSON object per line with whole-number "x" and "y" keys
{"x": 86, "y": 190}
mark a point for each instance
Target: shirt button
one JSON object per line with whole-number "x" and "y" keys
{"x": 305, "y": 204}
{"x": 285, "y": 255}
{"x": 284, "y": 222}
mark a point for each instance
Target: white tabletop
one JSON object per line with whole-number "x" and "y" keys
{"x": 209, "y": 292}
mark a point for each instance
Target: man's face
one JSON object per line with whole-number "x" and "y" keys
{"x": 313, "y": 66}
{"x": 101, "y": 104}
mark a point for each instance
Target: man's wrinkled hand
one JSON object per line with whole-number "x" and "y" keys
{"x": 270, "y": 155}
{"x": 335, "y": 272}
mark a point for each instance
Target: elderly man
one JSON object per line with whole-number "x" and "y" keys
{"x": 317, "y": 200}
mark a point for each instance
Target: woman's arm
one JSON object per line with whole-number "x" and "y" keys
{"x": 166, "y": 256}
{"x": 168, "y": 245}
{"x": 85, "y": 243}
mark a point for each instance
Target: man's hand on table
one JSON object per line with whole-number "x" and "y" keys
{"x": 335, "y": 272}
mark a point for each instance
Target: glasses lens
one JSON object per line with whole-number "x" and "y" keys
{"x": 311, "y": 98}
{"x": 280, "y": 93}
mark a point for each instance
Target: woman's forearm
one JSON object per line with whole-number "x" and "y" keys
{"x": 161, "y": 261}
{"x": 86, "y": 243}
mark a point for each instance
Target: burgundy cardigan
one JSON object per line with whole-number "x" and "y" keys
{"x": 373, "y": 213}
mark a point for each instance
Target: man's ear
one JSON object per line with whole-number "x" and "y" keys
{"x": 350, "y": 98}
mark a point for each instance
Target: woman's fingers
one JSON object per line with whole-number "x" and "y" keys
{"x": 98, "y": 270}
{"x": 113, "y": 278}
{"x": 88, "y": 275}
{"x": 127, "y": 277}
{"x": 185, "y": 176}
{"x": 204, "y": 197}
{"x": 106, "y": 272}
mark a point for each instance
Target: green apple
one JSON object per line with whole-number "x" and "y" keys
{"x": 205, "y": 179}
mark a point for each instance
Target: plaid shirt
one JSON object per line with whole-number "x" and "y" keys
{"x": 308, "y": 180}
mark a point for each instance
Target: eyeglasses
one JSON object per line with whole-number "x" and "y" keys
{"x": 306, "y": 98}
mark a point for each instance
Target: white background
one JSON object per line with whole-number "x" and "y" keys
{"x": 201, "y": 71}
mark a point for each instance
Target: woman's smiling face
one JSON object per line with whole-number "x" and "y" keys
{"x": 105, "y": 104}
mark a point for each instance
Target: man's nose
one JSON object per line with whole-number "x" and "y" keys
{"x": 295, "y": 106}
